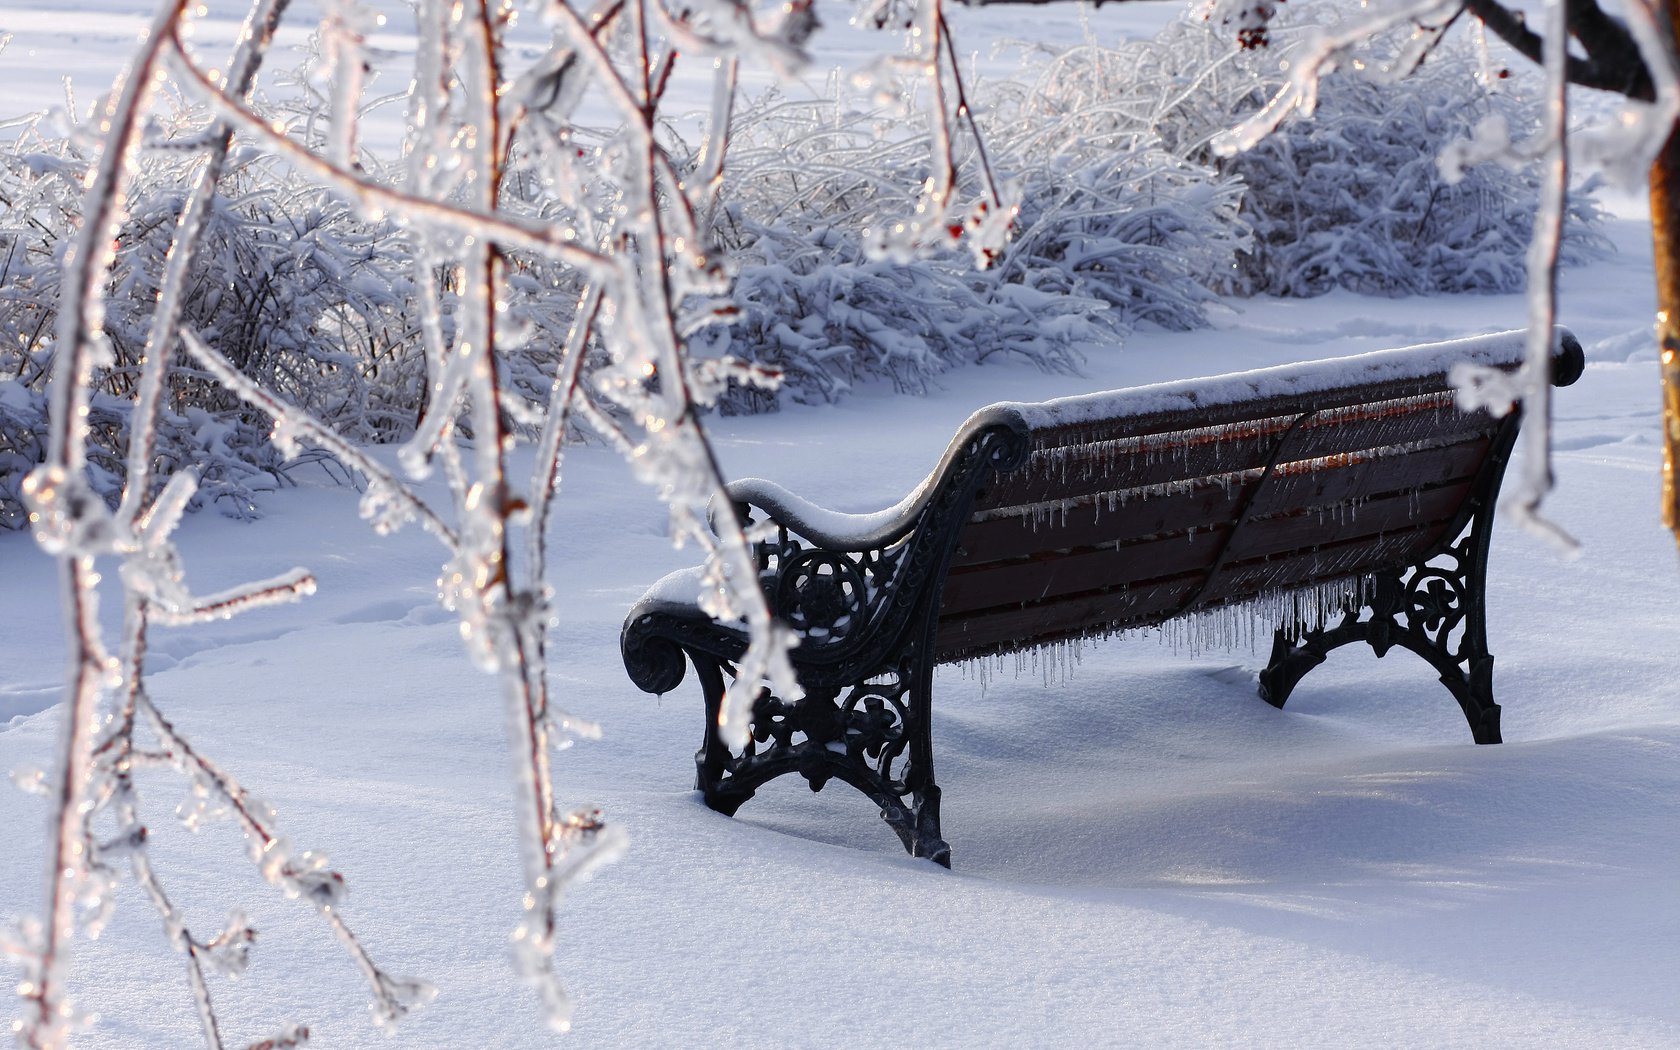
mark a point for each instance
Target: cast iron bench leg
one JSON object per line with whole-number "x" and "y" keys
{"x": 874, "y": 736}
{"x": 1437, "y": 611}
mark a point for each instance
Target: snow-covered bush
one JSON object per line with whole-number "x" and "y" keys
{"x": 1111, "y": 231}
{"x": 299, "y": 291}
{"x": 1109, "y": 209}
{"x": 1353, "y": 195}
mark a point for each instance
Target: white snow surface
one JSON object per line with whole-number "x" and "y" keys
{"x": 1145, "y": 853}
{"x": 1310, "y": 377}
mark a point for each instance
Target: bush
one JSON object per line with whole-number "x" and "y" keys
{"x": 1352, "y": 197}
{"x": 288, "y": 283}
{"x": 1112, "y": 232}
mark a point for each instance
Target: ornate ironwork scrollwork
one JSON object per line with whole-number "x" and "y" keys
{"x": 865, "y": 619}
{"x": 821, "y": 594}
{"x": 1434, "y": 608}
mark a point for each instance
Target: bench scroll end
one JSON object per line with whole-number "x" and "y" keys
{"x": 653, "y": 662}
{"x": 1570, "y": 361}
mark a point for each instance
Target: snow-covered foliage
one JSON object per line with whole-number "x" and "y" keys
{"x": 1111, "y": 230}
{"x": 288, "y": 280}
{"x": 1352, "y": 196}
{"x": 818, "y": 296}
{"x": 1125, "y": 213}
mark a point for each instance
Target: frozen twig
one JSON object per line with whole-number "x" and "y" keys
{"x": 73, "y": 523}
{"x": 375, "y": 198}
{"x": 293, "y": 426}
{"x": 1535, "y": 480}
{"x": 1312, "y": 60}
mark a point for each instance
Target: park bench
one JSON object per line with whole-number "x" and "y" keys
{"x": 1351, "y": 498}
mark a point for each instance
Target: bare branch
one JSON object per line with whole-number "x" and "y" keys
{"x": 1613, "y": 61}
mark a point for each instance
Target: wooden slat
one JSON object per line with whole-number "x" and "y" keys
{"x": 1192, "y": 455}
{"x": 1331, "y": 562}
{"x": 1312, "y": 528}
{"x": 1005, "y": 630}
{"x": 1053, "y": 574}
{"x": 1095, "y": 522}
{"x": 1150, "y": 602}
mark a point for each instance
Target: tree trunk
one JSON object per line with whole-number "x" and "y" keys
{"x": 1665, "y": 229}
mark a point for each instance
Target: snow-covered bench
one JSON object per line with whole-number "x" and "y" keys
{"x": 1351, "y": 499}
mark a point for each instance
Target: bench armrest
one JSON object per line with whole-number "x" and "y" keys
{"x": 831, "y": 529}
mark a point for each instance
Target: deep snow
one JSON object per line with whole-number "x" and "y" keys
{"x": 1146, "y": 854}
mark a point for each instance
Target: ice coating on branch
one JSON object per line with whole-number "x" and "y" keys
{"x": 339, "y": 72}
{"x": 287, "y": 1038}
{"x": 384, "y": 507}
{"x": 581, "y": 843}
{"x": 229, "y": 951}
{"x": 1251, "y": 19}
{"x": 1318, "y": 54}
{"x": 65, "y": 514}
{"x": 1490, "y": 140}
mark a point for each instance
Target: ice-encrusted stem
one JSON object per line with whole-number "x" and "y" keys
{"x": 294, "y": 425}
{"x": 375, "y": 198}
{"x": 72, "y": 523}
{"x": 545, "y": 475}
{"x": 1535, "y": 479}
{"x": 305, "y": 875}
{"x": 930, "y": 34}
{"x": 119, "y": 753}
{"x": 708, "y": 169}
{"x": 1315, "y": 57}
{"x": 675, "y": 454}
{"x": 254, "y": 38}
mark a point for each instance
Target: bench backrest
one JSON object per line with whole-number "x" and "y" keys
{"x": 1135, "y": 507}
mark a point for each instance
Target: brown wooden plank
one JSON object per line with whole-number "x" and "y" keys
{"x": 1025, "y": 625}
{"x": 1053, "y": 574}
{"x": 1329, "y": 562}
{"x": 1109, "y": 518}
{"x": 1059, "y": 573}
{"x": 1317, "y": 527}
{"x": 1098, "y": 520}
{"x": 1187, "y": 456}
{"x": 1006, "y": 630}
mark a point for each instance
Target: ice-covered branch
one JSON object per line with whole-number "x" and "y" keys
{"x": 1613, "y": 61}
{"x": 73, "y": 523}
{"x": 1314, "y": 58}
{"x": 305, "y": 876}
{"x": 255, "y": 36}
{"x": 1533, "y": 378}
{"x": 377, "y": 199}
{"x": 389, "y": 501}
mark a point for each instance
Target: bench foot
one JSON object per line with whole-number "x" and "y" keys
{"x": 873, "y": 736}
{"x": 1434, "y": 610}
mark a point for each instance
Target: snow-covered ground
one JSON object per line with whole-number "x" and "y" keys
{"x": 1145, "y": 853}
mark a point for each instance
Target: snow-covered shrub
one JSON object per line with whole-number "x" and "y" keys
{"x": 1353, "y": 196}
{"x": 304, "y": 297}
{"x": 1111, "y": 232}
{"x": 1109, "y": 210}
